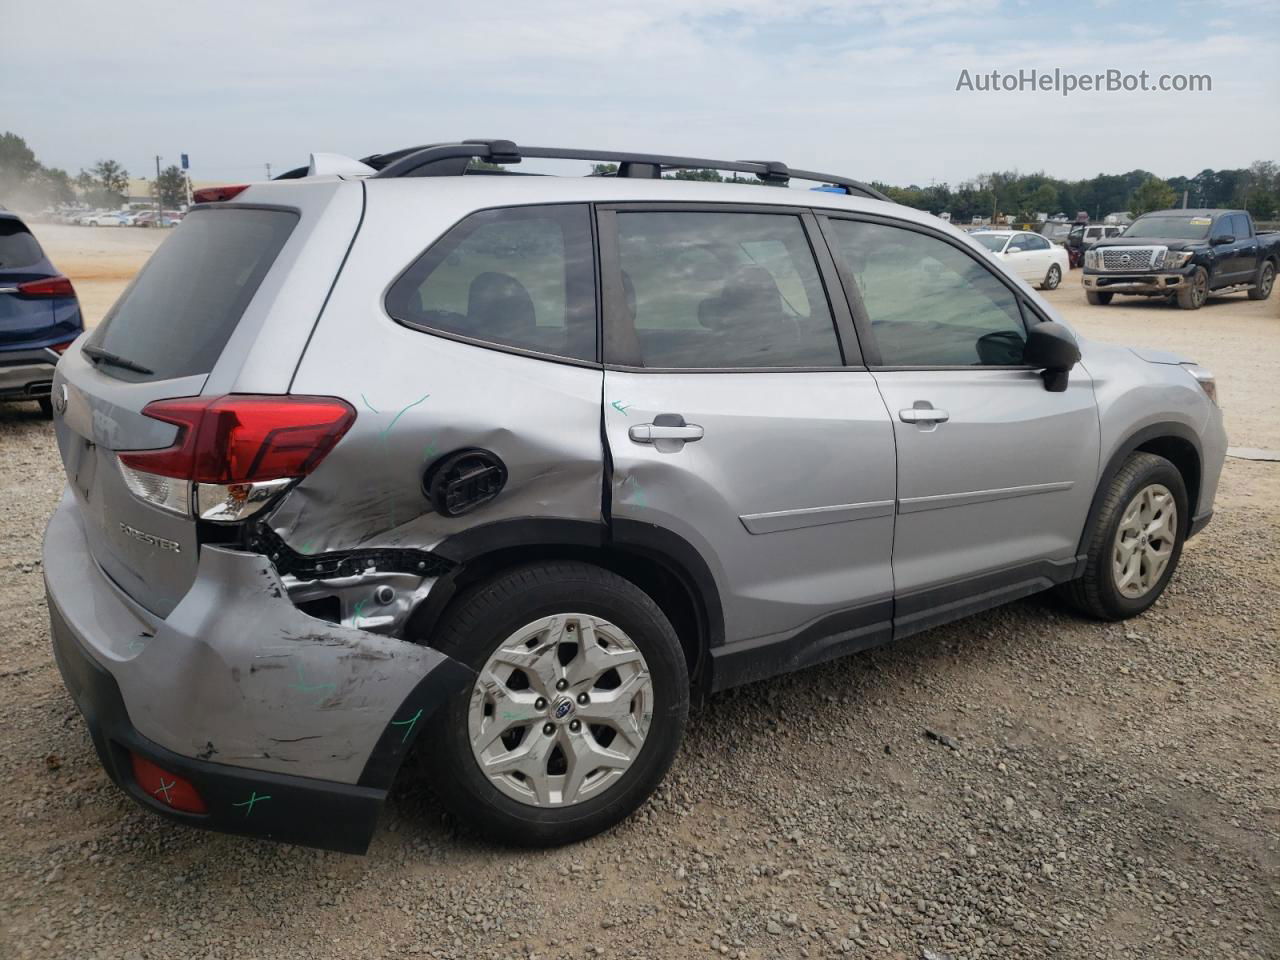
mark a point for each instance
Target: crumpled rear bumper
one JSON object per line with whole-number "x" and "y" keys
{"x": 241, "y": 693}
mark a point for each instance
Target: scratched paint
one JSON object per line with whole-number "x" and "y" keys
{"x": 253, "y": 800}
{"x": 411, "y": 723}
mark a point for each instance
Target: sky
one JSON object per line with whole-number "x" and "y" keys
{"x": 866, "y": 90}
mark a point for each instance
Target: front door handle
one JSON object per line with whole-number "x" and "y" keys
{"x": 923, "y": 415}
{"x": 653, "y": 432}
{"x": 668, "y": 433}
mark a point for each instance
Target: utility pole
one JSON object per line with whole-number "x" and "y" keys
{"x": 268, "y": 171}
{"x": 156, "y": 196}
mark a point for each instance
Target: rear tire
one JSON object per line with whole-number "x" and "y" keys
{"x": 1131, "y": 556}
{"x": 1194, "y": 294}
{"x": 512, "y": 612}
{"x": 46, "y": 407}
{"x": 1266, "y": 280}
{"x": 1052, "y": 278}
{"x": 1098, "y": 299}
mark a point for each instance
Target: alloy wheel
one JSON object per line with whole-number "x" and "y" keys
{"x": 1144, "y": 541}
{"x": 560, "y": 710}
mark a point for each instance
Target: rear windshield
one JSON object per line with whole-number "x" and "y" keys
{"x": 1170, "y": 228}
{"x": 18, "y": 248}
{"x": 177, "y": 315}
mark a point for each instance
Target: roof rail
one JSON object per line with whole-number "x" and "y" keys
{"x": 452, "y": 159}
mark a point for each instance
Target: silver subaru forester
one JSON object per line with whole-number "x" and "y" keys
{"x": 417, "y": 454}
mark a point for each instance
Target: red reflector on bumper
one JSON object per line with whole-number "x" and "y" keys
{"x": 167, "y": 788}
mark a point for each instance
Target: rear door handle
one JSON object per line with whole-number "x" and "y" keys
{"x": 652, "y": 432}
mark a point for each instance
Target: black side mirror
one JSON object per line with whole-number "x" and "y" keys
{"x": 1222, "y": 238}
{"x": 1052, "y": 348}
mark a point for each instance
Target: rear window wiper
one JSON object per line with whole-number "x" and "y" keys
{"x": 106, "y": 356}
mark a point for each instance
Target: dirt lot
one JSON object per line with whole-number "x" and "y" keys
{"x": 1109, "y": 790}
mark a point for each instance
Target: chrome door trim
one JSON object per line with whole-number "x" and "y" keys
{"x": 779, "y": 520}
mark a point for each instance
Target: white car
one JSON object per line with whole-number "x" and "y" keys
{"x": 1027, "y": 254}
{"x": 108, "y": 218}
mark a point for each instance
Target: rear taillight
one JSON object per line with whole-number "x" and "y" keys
{"x": 215, "y": 194}
{"x": 238, "y": 451}
{"x": 58, "y": 286}
{"x": 165, "y": 787}
{"x": 61, "y": 347}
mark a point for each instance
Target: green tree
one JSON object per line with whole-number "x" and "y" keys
{"x": 17, "y": 163}
{"x": 170, "y": 188}
{"x": 112, "y": 178}
{"x": 1152, "y": 194}
{"x": 710, "y": 176}
{"x": 1044, "y": 199}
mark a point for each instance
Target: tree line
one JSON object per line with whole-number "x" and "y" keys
{"x": 26, "y": 182}
{"x": 1021, "y": 196}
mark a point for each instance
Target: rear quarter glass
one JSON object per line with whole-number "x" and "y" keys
{"x": 18, "y": 248}
{"x": 178, "y": 314}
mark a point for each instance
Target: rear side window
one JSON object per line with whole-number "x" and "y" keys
{"x": 519, "y": 277}
{"x": 179, "y": 312}
{"x": 929, "y": 303}
{"x": 717, "y": 290}
{"x": 18, "y": 248}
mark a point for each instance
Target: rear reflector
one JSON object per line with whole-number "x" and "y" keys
{"x": 165, "y": 787}
{"x": 215, "y": 194}
{"x": 242, "y": 438}
{"x": 58, "y": 286}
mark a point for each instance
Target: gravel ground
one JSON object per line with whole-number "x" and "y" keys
{"x": 1019, "y": 784}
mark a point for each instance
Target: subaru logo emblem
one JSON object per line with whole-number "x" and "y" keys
{"x": 60, "y": 399}
{"x": 564, "y": 707}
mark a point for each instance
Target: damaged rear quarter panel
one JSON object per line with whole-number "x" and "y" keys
{"x": 419, "y": 397}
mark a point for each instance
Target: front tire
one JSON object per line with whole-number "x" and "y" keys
{"x": 1266, "y": 280}
{"x": 1137, "y": 541}
{"x": 46, "y": 408}
{"x": 1194, "y": 294}
{"x": 1052, "y": 278}
{"x": 1098, "y": 299}
{"x": 578, "y": 709}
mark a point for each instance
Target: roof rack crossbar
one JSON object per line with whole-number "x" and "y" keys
{"x": 443, "y": 159}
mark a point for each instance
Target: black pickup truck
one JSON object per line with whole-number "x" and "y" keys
{"x": 1184, "y": 255}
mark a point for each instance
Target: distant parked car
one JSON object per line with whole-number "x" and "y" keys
{"x": 1084, "y": 235}
{"x": 102, "y": 218}
{"x": 39, "y": 315}
{"x": 168, "y": 218}
{"x": 1027, "y": 254}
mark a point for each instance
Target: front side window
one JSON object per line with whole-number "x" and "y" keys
{"x": 723, "y": 290}
{"x": 929, "y": 303}
{"x": 1240, "y": 226}
{"x": 517, "y": 277}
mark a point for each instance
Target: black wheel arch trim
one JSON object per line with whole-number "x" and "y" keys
{"x": 1154, "y": 431}
{"x": 646, "y": 540}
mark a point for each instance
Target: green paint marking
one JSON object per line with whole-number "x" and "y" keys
{"x": 310, "y": 545}
{"x": 510, "y": 715}
{"x": 622, "y": 409}
{"x": 305, "y": 687}
{"x": 431, "y": 449}
{"x": 403, "y": 412}
{"x": 367, "y": 403}
{"x": 355, "y": 614}
{"x": 249, "y": 804}
{"x": 412, "y": 721}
